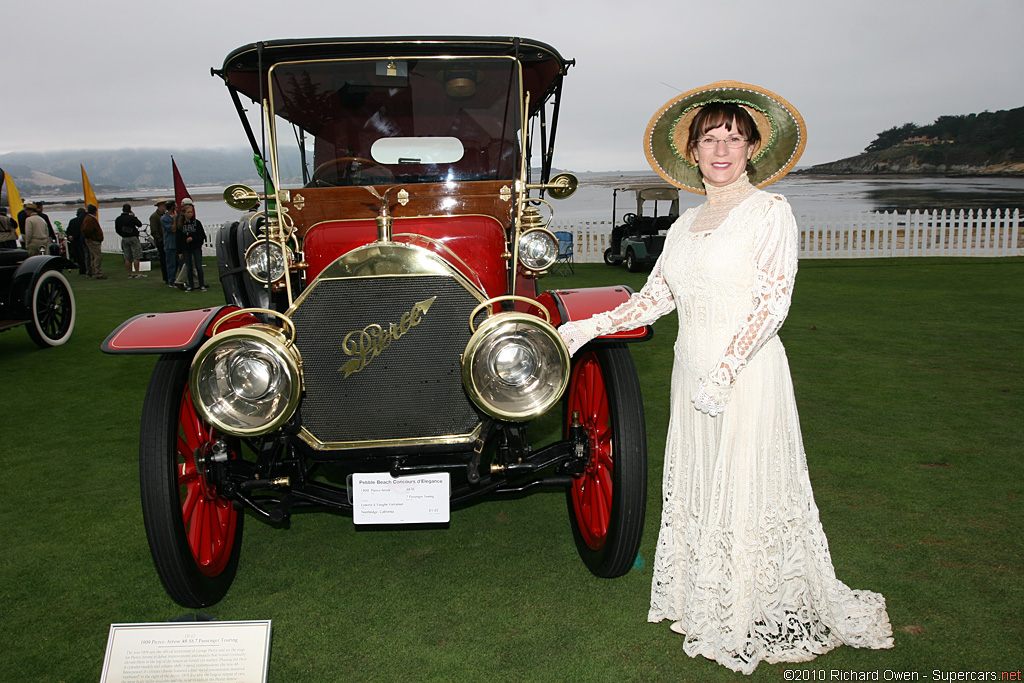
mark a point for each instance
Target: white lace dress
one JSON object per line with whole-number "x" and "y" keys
{"x": 742, "y": 565}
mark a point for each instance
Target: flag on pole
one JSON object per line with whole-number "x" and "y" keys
{"x": 180, "y": 191}
{"x": 13, "y": 196}
{"x": 90, "y": 196}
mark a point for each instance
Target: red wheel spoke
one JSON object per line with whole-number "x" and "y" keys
{"x": 192, "y": 497}
{"x": 194, "y": 525}
{"x": 208, "y": 549}
{"x": 604, "y": 480}
{"x": 195, "y": 431}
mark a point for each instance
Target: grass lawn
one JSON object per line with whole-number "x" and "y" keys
{"x": 909, "y": 378}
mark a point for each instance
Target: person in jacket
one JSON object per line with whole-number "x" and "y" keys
{"x": 156, "y": 231}
{"x": 79, "y": 254}
{"x": 171, "y": 258}
{"x": 8, "y": 231}
{"x": 127, "y": 226}
{"x": 93, "y": 234}
{"x": 190, "y": 238}
{"x": 37, "y": 236}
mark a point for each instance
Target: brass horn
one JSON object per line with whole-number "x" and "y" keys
{"x": 241, "y": 197}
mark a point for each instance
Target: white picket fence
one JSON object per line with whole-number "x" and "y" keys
{"x": 983, "y": 232}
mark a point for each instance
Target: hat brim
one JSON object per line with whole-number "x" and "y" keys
{"x": 782, "y": 128}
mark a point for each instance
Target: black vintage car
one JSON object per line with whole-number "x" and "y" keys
{"x": 35, "y": 294}
{"x": 384, "y": 346}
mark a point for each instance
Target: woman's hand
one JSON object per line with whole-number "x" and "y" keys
{"x": 573, "y": 337}
{"x": 710, "y": 397}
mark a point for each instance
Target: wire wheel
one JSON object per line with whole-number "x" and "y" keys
{"x": 53, "y": 310}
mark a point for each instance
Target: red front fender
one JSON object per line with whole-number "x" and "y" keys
{"x": 175, "y": 332}
{"x": 577, "y": 304}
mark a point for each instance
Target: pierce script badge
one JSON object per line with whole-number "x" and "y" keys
{"x": 366, "y": 344}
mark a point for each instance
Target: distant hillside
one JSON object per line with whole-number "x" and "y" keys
{"x": 42, "y": 173}
{"x": 986, "y": 144}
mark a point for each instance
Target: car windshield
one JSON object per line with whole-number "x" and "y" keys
{"x": 360, "y": 122}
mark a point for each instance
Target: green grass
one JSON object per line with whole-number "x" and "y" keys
{"x": 909, "y": 379}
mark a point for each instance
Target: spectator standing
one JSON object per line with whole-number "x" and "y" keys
{"x": 127, "y": 226}
{"x": 49, "y": 225}
{"x": 79, "y": 254}
{"x": 8, "y": 231}
{"x": 170, "y": 242}
{"x": 37, "y": 237}
{"x": 93, "y": 234}
{"x": 156, "y": 231}
{"x": 190, "y": 238}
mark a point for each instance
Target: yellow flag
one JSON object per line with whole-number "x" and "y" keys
{"x": 13, "y": 197}
{"x": 90, "y": 196}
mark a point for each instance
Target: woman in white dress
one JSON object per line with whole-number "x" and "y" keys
{"x": 742, "y": 566}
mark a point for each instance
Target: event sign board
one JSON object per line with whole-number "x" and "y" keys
{"x": 198, "y": 652}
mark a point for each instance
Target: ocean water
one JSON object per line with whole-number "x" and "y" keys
{"x": 592, "y": 203}
{"x": 813, "y": 195}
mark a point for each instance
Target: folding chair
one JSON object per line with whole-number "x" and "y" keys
{"x": 564, "y": 263}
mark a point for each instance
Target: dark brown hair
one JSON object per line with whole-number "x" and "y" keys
{"x": 715, "y": 114}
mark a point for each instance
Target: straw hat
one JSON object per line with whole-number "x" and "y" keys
{"x": 783, "y": 133}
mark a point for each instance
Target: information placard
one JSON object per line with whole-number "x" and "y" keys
{"x": 198, "y": 652}
{"x": 379, "y": 498}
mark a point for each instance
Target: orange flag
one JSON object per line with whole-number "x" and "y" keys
{"x": 90, "y": 196}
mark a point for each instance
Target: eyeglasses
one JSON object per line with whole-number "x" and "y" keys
{"x": 732, "y": 142}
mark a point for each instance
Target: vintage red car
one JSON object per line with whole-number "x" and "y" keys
{"x": 384, "y": 346}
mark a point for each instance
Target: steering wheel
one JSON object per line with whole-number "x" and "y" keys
{"x": 629, "y": 218}
{"x": 344, "y": 175}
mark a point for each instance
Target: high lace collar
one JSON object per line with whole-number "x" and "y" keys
{"x": 721, "y": 201}
{"x": 731, "y": 194}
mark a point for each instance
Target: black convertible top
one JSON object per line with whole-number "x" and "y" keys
{"x": 542, "y": 64}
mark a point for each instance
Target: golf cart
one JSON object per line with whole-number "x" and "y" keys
{"x": 639, "y": 238}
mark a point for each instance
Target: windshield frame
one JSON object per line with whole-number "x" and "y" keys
{"x": 513, "y": 123}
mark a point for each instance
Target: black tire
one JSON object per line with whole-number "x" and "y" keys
{"x": 631, "y": 262}
{"x": 170, "y": 432}
{"x": 53, "y": 310}
{"x": 608, "y": 532}
{"x": 608, "y": 257}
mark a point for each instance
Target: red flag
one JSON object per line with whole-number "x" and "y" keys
{"x": 180, "y": 191}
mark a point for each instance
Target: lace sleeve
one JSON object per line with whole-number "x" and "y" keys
{"x": 776, "y": 262}
{"x": 642, "y": 308}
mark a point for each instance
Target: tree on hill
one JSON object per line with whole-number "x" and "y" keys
{"x": 989, "y": 132}
{"x": 892, "y": 136}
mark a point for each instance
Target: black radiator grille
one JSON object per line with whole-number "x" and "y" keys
{"x": 413, "y": 388}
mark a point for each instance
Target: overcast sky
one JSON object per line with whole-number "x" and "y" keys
{"x": 125, "y": 73}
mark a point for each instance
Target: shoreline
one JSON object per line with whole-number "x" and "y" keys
{"x": 833, "y": 175}
{"x": 117, "y": 202}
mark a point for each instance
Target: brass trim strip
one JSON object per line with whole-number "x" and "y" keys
{"x": 449, "y": 439}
